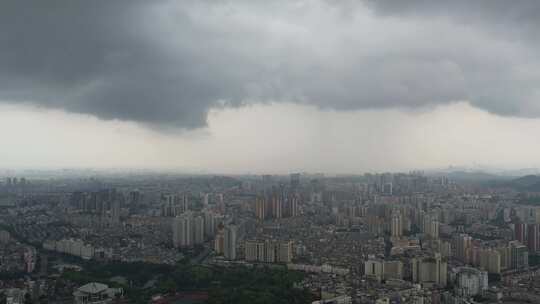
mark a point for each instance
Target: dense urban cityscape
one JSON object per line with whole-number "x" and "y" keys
{"x": 374, "y": 238}
{"x": 269, "y": 152}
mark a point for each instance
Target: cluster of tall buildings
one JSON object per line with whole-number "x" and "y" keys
{"x": 378, "y": 270}
{"x": 174, "y": 204}
{"x": 96, "y": 201}
{"x": 518, "y": 257}
{"x": 528, "y": 234}
{"x": 462, "y": 247}
{"x": 396, "y": 225}
{"x": 226, "y": 241}
{"x": 430, "y": 227}
{"x": 15, "y": 182}
{"x": 276, "y": 206}
{"x": 513, "y": 255}
{"x": 394, "y": 222}
{"x": 469, "y": 281}
{"x": 105, "y": 203}
{"x": 426, "y": 270}
{"x": 489, "y": 260}
{"x": 268, "y": 251}
{"x": 191, "y": 229}
{"x": 399, "y": 183}
{"x": 430, "y": 270}
{"x": 384, "y": 217}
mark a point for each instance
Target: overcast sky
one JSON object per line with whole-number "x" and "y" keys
{"x": 239, "y": 86}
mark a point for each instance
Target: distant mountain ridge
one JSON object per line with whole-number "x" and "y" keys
{"x": 474, "y": 176}
{"x": 526, "y": 183}
{"x": 471, "y": 176}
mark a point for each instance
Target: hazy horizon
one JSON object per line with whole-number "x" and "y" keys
{"x": 289, "y": 86}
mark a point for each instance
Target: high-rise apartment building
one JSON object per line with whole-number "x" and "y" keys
{"x": 374, "y": 269}
{"x": 231, "y": 237}
{"x": 174, "y": 205}
{"x": 393, "y": 270}
{"x": 396, "y": 225}
{"x": 219, "y": 242}
{"x": 277, "y": 204}
{"x": 490, "y": 260}
{"x": 198, "y": 230}
{"x": 471, "y": 281}
{"x": 533, "y": 237}
{"x": 431, "y": 270}
{"x": 270, "y": 251}
{"x": 260, "y": 208}
{"x": 520, "y": 232}
{"x": 209, "y": 224}
{"x": 431, "y": 227}
{"x": 284, "y": 250}
{"x": 462, "y": 247}
{"x": 183, "y": 230}
{"x": 251, "y": 253}
{"x": 506, "y": 257}
{"x": 519, "y": 255}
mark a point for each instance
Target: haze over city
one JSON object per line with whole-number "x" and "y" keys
{"x": 269, "y": 152}
{"x": 258, "y": 86}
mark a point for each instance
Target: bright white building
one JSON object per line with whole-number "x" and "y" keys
{"x": 96, "y": 293}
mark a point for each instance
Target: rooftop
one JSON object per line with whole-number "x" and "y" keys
{"x": 93, "y": 288}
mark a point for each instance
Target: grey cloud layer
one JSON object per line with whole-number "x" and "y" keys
{"x": 168, "y": 62}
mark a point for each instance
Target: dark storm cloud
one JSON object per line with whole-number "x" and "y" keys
{"x": 168, "y": 62}
{"x": 93, "y": 57}
{"x": 517, "y": 21}
{"x": 504, "y": 84}
{"x": 522, "y": 13}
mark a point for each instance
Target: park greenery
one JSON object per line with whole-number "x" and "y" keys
{"x": 238, "y": 284}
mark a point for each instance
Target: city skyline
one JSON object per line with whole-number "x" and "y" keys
{"x": 269, "y": 152}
